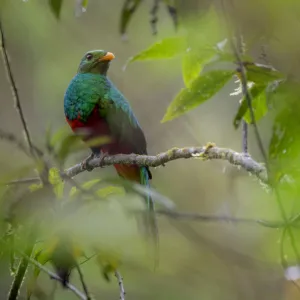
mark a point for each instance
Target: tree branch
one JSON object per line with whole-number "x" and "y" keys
{"x": 14, "y": 89}
{"x": 208, "y": 152}
{"x": 121, "y": 285}
{"x": 54, "y": 276}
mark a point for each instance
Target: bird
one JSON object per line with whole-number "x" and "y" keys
{"x": 95, "y": 108}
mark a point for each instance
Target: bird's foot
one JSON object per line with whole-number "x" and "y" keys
{"x": 101, "y": 158}
{"x": 85, "y": 164}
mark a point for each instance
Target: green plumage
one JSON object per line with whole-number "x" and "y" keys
{"x": 94, "y": 104}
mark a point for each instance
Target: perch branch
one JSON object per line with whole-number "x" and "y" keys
{"x": 121, "y": 285}
{"x": 209, "y": 152}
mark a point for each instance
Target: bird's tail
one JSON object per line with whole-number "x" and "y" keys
{"x": 145, "y": 177}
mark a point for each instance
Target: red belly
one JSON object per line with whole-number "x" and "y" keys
{"x": 98, "y": 127}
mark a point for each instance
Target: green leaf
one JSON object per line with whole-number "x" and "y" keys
{"x": 68, "y": 146}
{"x": 262, "y": 74}
{"x": 129, "y": 8}
{"x": 56, "y": 7}
{"x": 284, "y": 146}
{"x": 193, "y": 62}
{"x": 259, "y": 105}
{"x": 57, "y": 182}
{"x": 109, "y": 190}
{"x": 86, "y": 186}
{"x": 58, "y": 136}
{"x": 166, "y": 48}
{"x": 202, "y": 89}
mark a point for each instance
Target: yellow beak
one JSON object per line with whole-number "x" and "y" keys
{"x": 108, "y": 56}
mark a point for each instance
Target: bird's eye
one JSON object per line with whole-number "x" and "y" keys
{"x": 89, "y": 56}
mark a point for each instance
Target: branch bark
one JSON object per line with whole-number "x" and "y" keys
{"x": 209, "y": 152}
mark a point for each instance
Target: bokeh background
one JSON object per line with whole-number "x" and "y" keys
{"x": 206, "y": 260}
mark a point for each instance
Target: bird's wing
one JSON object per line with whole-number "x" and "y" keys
{"x": 122, "y": 122}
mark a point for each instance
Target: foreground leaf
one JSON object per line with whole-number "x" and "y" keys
{"x": 285, "y": 142}
{"x": 193, "y": 62}
{"x": 259, "y": 105}
{"x": 262, "y": 74}
{"x": 108, "y": 261}
{"x": 166, "y": 48}
{"x": 202, "y": 89}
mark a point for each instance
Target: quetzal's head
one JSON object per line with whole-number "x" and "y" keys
{"x": 95, "y": 61}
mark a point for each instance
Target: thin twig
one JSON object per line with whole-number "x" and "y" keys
{"x": 240, "y": 49}
{"x": 11, "y": 138}
{"x": 245, "y": 136}
{"x": 14, "y": 89}
{"x": 154, "y": 17}
{"x": 217, "y": 218}
{"x": 121, "y": 285}
{"x": 54, "y": 276}
{"x": 84, "y": 286}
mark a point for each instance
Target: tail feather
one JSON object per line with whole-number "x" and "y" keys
{"x": 145, "y": 177}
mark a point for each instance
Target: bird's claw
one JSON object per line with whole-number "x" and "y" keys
{"x": 85, "y": 164}
{"x": 101, "y": 159}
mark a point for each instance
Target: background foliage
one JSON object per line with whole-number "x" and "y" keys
{"x": 189, "y": 93}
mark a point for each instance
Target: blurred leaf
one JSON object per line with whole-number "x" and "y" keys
{"x": 80, "y": 7}
{"x": 42, "y": 257}
{"x": 285, "y": 142}
{"x": 108, "y": 261}
{"x": 89, "y": 184}
{"x": 166, "y": 48}
{"x": 58, "y": 136}
{"x": 202, "y": 89}
{"x": 57, "y": 182}
{"x": 206, "y": 30}
{"x": 193, "y": 62}
{"x": 86, "y": 186}
{"x": 68, "y": 146}
{"x": 260, "y": 108}
{"x": 30, "y": 204}
{"x": 129, "y": 8}
{"x": 73, "y": 143}
{"x": 35, "y": 186}
{"x": 19, "y": 172}
{"x": 143, "y": 191}
{"x": 259, "y": 105}
{"x": 261, "y": 74}
{"x": 109, "y": 190}
{"x": 56, "y": 7}
{"x": 97, "y": 141}
{"x": 172, "y": 10}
